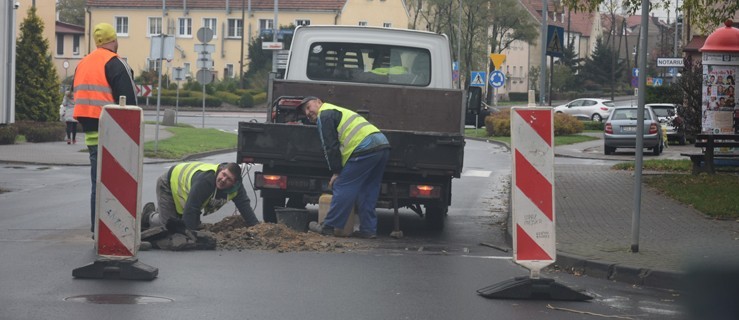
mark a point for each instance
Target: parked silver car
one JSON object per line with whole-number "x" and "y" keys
{"x": 587, "y": 108}
{"x": 667, "y": 115}
{"x": 620, "y": 130}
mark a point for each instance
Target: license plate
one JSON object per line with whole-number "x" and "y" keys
{"x": 628, "y": 128}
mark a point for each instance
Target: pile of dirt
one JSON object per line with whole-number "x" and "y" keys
{"x": 233, "y": 234}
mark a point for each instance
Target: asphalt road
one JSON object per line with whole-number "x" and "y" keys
{"x": 44, "y": 236}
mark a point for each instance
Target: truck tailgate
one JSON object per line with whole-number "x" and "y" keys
{"x": 285, "y": 145}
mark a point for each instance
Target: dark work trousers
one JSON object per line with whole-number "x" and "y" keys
{"x": 71, "y": 130}
{"x": 166, "y": 209}
{"x": 93, "y": 150}
{"x": 359, "y": 182}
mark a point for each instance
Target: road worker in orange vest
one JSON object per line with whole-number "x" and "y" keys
{"x": 101, "y": 78}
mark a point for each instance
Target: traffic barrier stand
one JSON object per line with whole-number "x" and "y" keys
{"x": 534, "y": 247}
{"x": 118, "y": 197}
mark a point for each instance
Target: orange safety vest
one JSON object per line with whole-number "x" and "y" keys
{"x": 91, "y": 89}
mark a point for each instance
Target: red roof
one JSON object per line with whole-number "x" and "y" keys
{"x": 67, "y": 28}
{"x": 695, "y": 44}
{"x": 330, "y": 5}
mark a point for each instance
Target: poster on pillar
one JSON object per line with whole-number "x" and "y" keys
{"x": 720, "y": 108}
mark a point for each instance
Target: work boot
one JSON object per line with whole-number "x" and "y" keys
{"x": 149, "y": 208}
{"x": 363, "y": 235}
{"x": 321, "y": 229}
{"x": 144, "y": 246}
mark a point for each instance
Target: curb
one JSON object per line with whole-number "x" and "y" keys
{"x": 655, "y": 278}
{"x": 660, "y": 279}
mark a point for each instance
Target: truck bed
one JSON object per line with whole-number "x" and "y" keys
{"x": 385, "y": 106}
{"x": 297, "y": 145}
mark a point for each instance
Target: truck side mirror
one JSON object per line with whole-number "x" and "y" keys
{"x": 474, "y": 99}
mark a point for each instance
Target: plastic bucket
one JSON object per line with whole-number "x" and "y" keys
{"x": 296, "y": 219}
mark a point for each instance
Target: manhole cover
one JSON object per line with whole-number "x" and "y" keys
{"x": 117, "y": 299}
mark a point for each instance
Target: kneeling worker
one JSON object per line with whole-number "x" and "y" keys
{"x": 188, "y": 189}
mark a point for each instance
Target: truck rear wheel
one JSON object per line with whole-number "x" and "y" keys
{"x": 435, "y": 216}
{"x": 268, "y": 208}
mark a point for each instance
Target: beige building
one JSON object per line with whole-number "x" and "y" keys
{"x": 138, "y": 21}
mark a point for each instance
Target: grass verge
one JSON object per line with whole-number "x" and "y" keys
{"x": 558, "y": 140}
{"x": 188, "y": 140}
{"x": 713, "y": 195}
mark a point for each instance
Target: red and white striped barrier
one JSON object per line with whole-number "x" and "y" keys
{"x": 120, "y": 164}
{"x": 532, "y": 145}
{"x": 118, "y": 196}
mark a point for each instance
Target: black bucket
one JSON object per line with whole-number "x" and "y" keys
{"x": 296, "y": 219}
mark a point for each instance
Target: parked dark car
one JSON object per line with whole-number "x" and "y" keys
{"x": 484, "y": 111}
{"x": 670, "y": 120}
{"x": 620, "y": 130}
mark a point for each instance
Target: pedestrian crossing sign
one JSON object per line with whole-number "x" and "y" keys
{"x": 477, "y": 79}
{"x": 555, "y": 41}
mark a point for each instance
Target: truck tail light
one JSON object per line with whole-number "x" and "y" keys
{"x": 653, "y": 128}
{"x": 272, "y": 182}
{"x": 609, "y": 127}
{"x": 424, "y": 191}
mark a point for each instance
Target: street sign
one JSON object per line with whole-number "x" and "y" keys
{"x": 477, "y": 78}
{"x": 143, "y": 90}
{"x": 635, "y": 72}
{"x": 204, "y": 35}
{"x": 204, "y": 63}
{"x": 657, "y": 82}
{"x": 497, "y": 59}
{"x": 200, "y": 48}
{"x": 178, "y": 73}
{"x": 497, "y": 79}
{"x": 670, "y": 62}
{"x": 271, "y": 45}
{"x": 555, "y": 41}
{"x": 204, "y": 76}
{"x": 156, "y": 47}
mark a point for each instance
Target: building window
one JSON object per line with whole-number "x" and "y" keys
{"x": 362, "y": 23}
{"x": 228, "y": 72}
{"x": 387, "y": 25}
{"x": 212, "y": 24}
{"x": 60, "y": 44}
{"x": 121, "y": 26}
{"x": 155, "y": 26}
{"x": 186, "y": 67}
{"x": 76, "y": 44}
{"x": 302, "y": 22}
{"x": 266, "y": 24}
{"x": 184, "y": 27}
{"x": 235, "y": 28}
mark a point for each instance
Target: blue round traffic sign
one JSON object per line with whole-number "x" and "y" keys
{"x": 497, "y": 79}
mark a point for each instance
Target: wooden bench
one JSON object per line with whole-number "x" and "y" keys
{"x": 703, "y": 161}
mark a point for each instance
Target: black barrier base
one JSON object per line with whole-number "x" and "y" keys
{"x": 128, "y": 269}
{"x": 533, "y": 289}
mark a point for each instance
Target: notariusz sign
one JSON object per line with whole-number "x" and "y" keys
{"x": 669, "y": 62}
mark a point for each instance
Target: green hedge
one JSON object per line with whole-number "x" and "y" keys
{"x": 8, "y": 134}
{"x": 499, "y": 124}
{"x": 210, "y": 101}
{"x": 41, "y": 131}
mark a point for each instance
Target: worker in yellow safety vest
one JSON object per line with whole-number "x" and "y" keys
{"x": 356, "y": 152}
{"x": 190, "y": 189}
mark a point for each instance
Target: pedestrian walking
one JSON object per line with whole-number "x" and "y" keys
{"x": 66, "y": 113}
